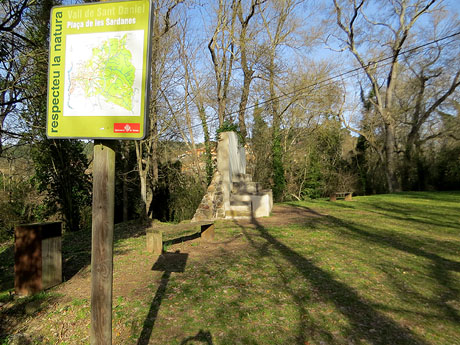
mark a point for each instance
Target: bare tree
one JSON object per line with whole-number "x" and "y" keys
{"x": 13, "y": 44}
{"x": 222, "y": 47}
{"x": 249, "y": 55}
{"x": 371, "y": 38}
{"x": 198, "y": 87}
{"x": 280, "y": 26}
{"x": 433, "y": 77}
{"x": 147, "y": 150}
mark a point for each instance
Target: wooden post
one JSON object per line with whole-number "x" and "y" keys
{"x": 155, "y": 241}
{"x": 102, "y": 242}
{"x": 207, "y": 232}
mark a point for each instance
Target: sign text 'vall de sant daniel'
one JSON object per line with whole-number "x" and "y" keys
{"x": 99, "y": 70}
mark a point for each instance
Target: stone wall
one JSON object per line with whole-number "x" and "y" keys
{"x": 211, "y": 206}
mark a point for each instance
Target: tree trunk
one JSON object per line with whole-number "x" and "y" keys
{"x": 125, "y": 156}
{"x": 143, "y": 179}
{"x": 221, "y": 47}
{"x": 279, "y": 182}
{"x": 247, "y": 71}
{"x": 390, "y": 156}
{"x": 244, "y": 102}
{"x": 207, "y": 144}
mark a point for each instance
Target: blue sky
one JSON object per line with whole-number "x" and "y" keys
{"x": 454, "y": 4}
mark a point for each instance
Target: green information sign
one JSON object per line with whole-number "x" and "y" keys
{"x": 99, "y": 70}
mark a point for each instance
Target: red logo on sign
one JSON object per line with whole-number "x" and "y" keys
{"x": 126, "y": 127}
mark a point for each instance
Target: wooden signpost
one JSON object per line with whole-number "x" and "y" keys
{"x": 102, "y": 242}
{"x": 98, "y": 82}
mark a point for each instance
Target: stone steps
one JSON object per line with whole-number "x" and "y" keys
{"x": 231, "y": 214}
{"x": 246, "y": 187}
{"x": 236, "y": 199}
{"x": 240, "y": 207}
{"x": 242, "y": 178}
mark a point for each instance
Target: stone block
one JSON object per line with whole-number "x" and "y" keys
{"x": 207, "y": 232}
{"x": 154, "y": 241}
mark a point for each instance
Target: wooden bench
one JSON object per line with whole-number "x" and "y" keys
{"x": 343, "y": 195}
{"x": 154, "y": 234}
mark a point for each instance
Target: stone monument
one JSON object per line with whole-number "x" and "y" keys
{"x": 232, "y": 193}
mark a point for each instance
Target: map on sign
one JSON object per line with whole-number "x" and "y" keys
{"x": 103, "y": 74}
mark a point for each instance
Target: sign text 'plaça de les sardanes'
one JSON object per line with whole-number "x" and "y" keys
{"x": 99, "y": 70}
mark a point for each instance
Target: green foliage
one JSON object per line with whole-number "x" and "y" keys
{"x": 359, "y": 162}
{"x": 446, "y": 174}
{"x": 316, "y": 164}
{"x": 209, "y": 162}
{"x": 127, "y": 196}
{"x": 279, "y": 181}
{"x": 60, "y": 171}
{"x": 313, "y": 187}
{"x": 19, "y": 203}
{"x": 229, "y": 126}
{"x": 369, "y": 100}
{"x": 313, "y": 164}
{"x": 335, "y": 169}
{"x": 207, "y": 144}
{"x": 366, "y": 164}
{"x": 177, "y": 195}
{"x": 209, "y": 165}
{"x": 261, "y": 149}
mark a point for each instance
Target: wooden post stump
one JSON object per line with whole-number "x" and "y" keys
{"x": 207, "y": 232}
{"x": 155, "y": 241}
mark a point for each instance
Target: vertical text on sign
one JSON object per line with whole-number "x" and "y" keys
{"x": 56, "y": 74}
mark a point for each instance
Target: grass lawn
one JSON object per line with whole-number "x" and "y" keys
{"x": 377, "y": 270}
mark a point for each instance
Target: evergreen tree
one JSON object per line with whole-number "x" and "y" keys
{"x": 279, "y": 181}
{"x": 260, "y": 148}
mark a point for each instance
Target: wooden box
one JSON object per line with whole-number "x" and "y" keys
{"x": 37, "y": 257}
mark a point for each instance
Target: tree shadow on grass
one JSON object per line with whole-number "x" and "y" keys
{"x": 422, "y": 248}
{"x": 449, "y": 196}
{"x": 423, "y": 216}
{"x": 366, "y": 322}
{"x": 441, "y": 267}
